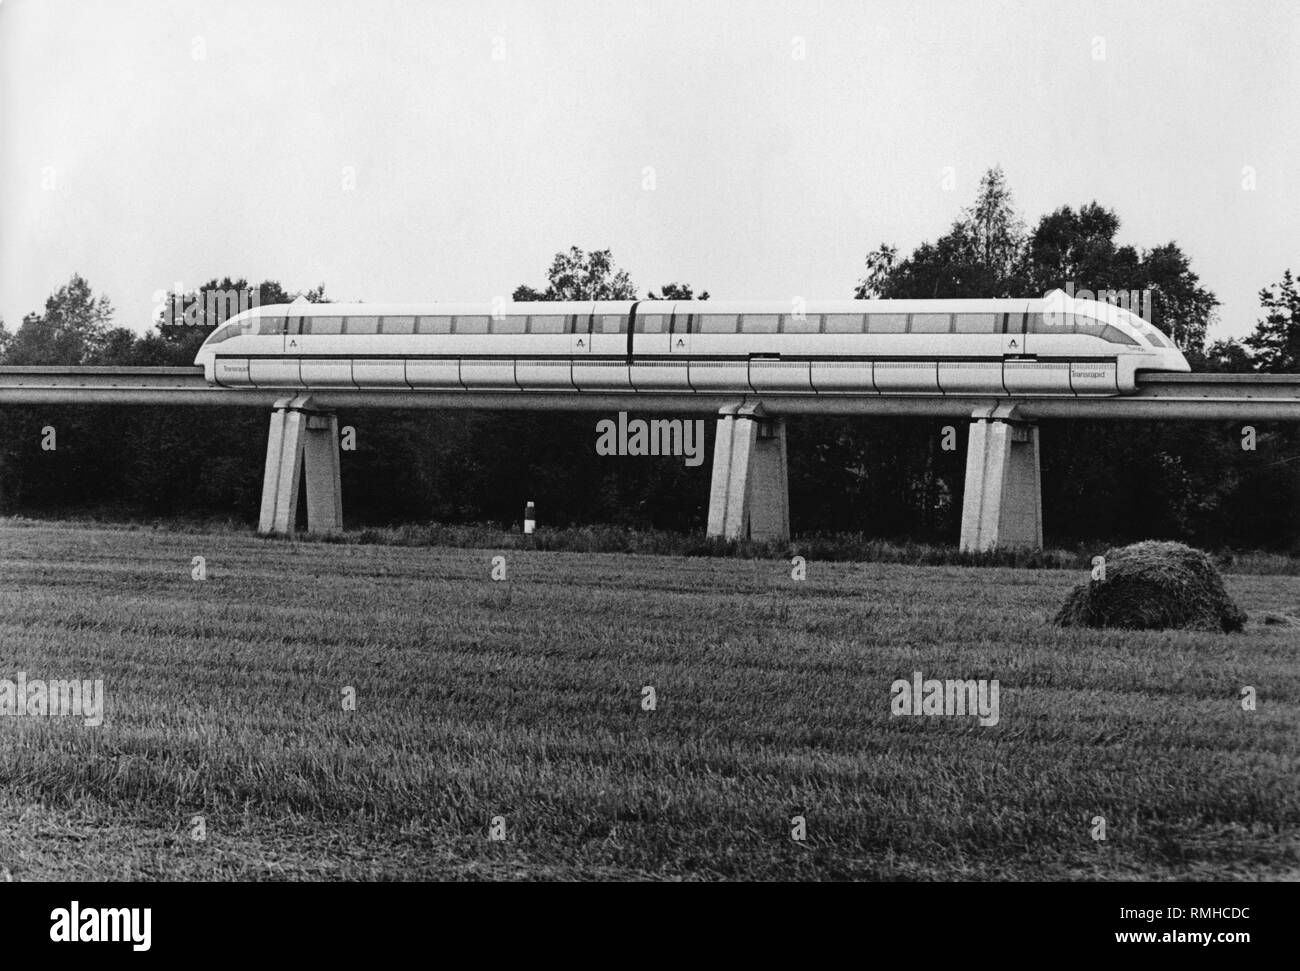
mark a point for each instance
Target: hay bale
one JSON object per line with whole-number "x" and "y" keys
{"x": 1154, "y": 586}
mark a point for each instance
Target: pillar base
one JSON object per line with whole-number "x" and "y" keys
{"x": 750, "y": 493}
{"x": 1003, "y": 504}
{"x": 301, "y": 438}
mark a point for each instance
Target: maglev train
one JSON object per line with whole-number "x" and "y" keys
{"x": 1050, "y": 346}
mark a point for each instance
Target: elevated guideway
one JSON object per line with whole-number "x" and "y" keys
{"x": 749, "y": 494}
{"x": 1184, "y": 396}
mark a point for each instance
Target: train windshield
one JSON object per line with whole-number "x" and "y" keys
{"x": 222, "y": 333}
{"x": 232, "y": 329}
{"x": 1153, "y": 336}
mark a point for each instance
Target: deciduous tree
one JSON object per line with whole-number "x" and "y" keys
{"x": 575, "y": 275}
{"x": 70, "y": 330}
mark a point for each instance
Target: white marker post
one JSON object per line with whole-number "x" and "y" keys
{"x": 530, "y": 518}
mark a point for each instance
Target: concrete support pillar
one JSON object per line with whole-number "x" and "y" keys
{"x": 1003, "y": 503}
{"x": 324, "y": 480}
{"x": 750, "y": 493}
{"x": 301, "y": 440}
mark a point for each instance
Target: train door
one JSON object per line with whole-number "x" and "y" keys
{"x": 580, "y": 338}
{"x": 1013, "y": 335}
{"x": 654, "y": 366}
{"x": 602, "y": 365}
{"x": 680, "y": 334}
{"x": 1032, "y": 368}
{"x": 274, "y": 368}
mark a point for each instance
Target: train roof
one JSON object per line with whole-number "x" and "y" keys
{"x": 1057, "y": 301}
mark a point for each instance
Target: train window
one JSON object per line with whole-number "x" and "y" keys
{"x": 223, "y": 334}
{"x": 1013, "y": 323}
{"x": 931, "y": 323}
{"x": 1062, "y": 323}
{"x": 887, "y": 324}
{"x": 270, "y": 325}
{"x": 509, "y": 325}
{"x": 611, "y": 324}
{"x": 361, "y": 325}
{"x": 471, "y": 325}
{"x": 651, "y": 324}
{"x": 1116, "y": 336}
{"x": 759, "y": 323}
{"x": 844, "y": 323}
{"x": 322, "y": 325}
{"x": 716, "y": 323}
{"x": 433, "y": 325}
{"x": 805, "y": 324}
{"x": 547, "y": 325}
{"x": 976, "y": 324}
{"x": 397, "y": 325}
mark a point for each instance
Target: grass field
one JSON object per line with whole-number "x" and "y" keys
{"x": 522, "y": 699}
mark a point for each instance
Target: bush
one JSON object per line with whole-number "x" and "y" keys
{"x": 1154, "y": 586}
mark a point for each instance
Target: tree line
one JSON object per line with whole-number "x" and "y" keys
{"x": 1209, "y": 483}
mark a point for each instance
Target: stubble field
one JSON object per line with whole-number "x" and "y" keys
{"x": 522, "y": 701}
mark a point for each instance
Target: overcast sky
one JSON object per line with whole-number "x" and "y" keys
{"x": 406, "y": 151}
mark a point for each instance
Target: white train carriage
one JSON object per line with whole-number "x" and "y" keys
{"x": 1053, "y": 346}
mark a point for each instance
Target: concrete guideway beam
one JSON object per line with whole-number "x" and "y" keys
{"x": 749, "y": 497}
{"x": 302, "y": 441}
{"x": 1169, "y": 397}
{"x": 1002, "y": 507}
